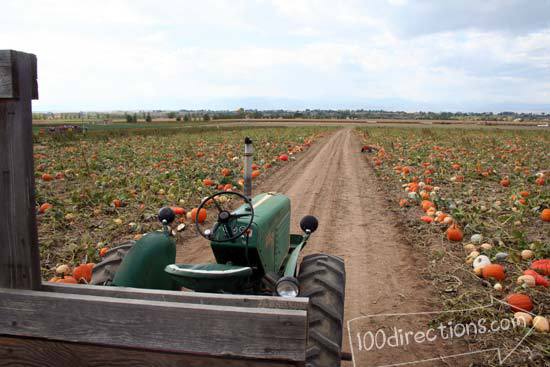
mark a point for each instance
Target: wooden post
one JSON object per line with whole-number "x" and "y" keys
{"x": 19, "y": 255}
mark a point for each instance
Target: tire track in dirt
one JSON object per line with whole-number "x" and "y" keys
{"x": 333, "y": 181}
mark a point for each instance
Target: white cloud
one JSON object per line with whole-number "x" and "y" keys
{"x": 144, "y": 54}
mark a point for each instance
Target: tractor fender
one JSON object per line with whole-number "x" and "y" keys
{"x": 143, "y": 266}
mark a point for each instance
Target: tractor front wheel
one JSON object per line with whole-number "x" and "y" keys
{"x": 323, "y": 279}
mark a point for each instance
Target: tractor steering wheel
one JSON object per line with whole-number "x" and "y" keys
{"x": 225, "y": 217}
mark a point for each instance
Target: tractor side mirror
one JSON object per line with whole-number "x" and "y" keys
{"x": 309, "y": 224}
{"x": 166, "y": 215}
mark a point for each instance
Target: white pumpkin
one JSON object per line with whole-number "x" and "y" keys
{"x": 481, "y": 261}
{"x": 524, "y": 318}
{"x": 476, "y": 238}
{"x": 527, "y": 281}
{"x": 540, "y": 324}
{"x": 486, "y": 246}
{"x": 527, "y": 254}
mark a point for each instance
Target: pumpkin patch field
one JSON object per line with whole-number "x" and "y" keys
{"x": 476, "y": 204}
{"x": 98, "y": 190}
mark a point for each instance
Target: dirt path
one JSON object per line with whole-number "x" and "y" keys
{"x": 333, "y": 181}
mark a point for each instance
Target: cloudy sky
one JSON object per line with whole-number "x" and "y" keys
{"x": 489, "y": 55}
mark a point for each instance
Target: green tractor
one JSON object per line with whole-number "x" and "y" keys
{"x": 255, "y": 254}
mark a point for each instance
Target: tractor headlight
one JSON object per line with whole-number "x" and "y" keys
{"x": 287, "y": 287}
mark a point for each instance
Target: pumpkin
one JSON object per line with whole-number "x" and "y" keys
{"x": 526, "y": 281}
{"x": 495, "y": 271}
{"x": 200, "y": 154}
{"x": 524, "y": 318}
{"x": 178, "y": 210}
{"x": 454, "y": 233}
{"x": 44, "y": 208}
{"x": 519, "y": 302}
{"x": 226, "y": 172}
{"x": 426, "y": 204}
{"x": 426, "y": 219}
{"x": 63, "y": 269}
{"x": 541, "y": 266}
{"x": 201, "y": 215}
{"x": 283, "y": 157}
{"x": 505, "y": 182}
{"x": 540, "y": 181}
{"x": 83, "y": 272}
{"x": 47, "y": 177}
{"x": 207, "y": 182}
{"x": 403, "y": 203}
{"x": 476, "y": 238}
{"x": 539, "y": 279}
{"x": 481, "y": 261}
{"x": 228, "y": 187}
{"x": 540, "y": 323}
{"x": 527, "y": 254}
{"x": 117, "y": 203}
{"x": 545, "y": 215}
{"x": 67, "y": 280}
{"x": 469, "y": 247}
{"x": 486, "y": 246}
{"x": 255, "y": 166}
{"x": 103, "y": 251}
{"x": 256, "y": 173}
{"x": 524, "y": 194}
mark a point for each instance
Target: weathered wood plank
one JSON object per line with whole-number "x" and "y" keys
{"x": 19, "y": 255}
{"x": 32, "y": 352}
{"x": 261, "y": 333}
{"x": 6, "y": 75}
{"x": 176, "y": 296}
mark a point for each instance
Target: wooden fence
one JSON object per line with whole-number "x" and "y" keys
{"x": 46, "y": 324}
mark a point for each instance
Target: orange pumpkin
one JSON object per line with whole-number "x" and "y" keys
{"x": 524, "y": 194}
{"x": 426, "y": 219}
{"x": 403, "y": 203}
{"x": 47, "y": 177}
{"x": 541, "y": 266}
{"x": 201, "y": 215}
{"x": 226, "y": 172}
{"x": 67, "y": 280}
{"x": 539, "y": 279}
{"x": 454, "y": 233}
{"x": 540, "y": 181}
{"x": 83, "y": 272}
{"x": 519, "y": 302}
{"x": 117, "y": 203}
{"x": 178, "y": 210}
{"x": 256, "y": 173}
{"x": 495, "y": 271}
{"x": 200, "y": 154}
{"x": 283, "y": 157}
{"x": 505, "y": 182}
{"x": 207, "y": 182}
{"x": 44, "y": 208}
{"x": 545, "y": 215}
{"x": 103, "y": 251}
{"x": 426, "y": 204}
{"x": 228, "y": 187}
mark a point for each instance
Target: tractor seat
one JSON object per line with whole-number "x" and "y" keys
{"x": 208, "y": 271}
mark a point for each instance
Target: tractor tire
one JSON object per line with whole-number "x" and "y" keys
{"x": 322, "y": 278}
{"x": 104, "y": 272}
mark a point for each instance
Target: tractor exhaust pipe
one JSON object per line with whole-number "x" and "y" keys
{"x": 248, "y": 153}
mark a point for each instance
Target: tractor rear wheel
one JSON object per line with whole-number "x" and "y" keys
{"x": 322, "y": 278}
{"x": 104, "y": 272}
